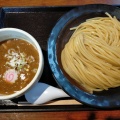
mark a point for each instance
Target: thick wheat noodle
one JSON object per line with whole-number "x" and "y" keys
{"x": 92, "y": 55}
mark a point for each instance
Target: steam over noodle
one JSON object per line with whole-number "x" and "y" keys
{"x": 92, "y": 55}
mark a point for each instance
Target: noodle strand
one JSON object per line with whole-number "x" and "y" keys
{"x": 92, "y": 55}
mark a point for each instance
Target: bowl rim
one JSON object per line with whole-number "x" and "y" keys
{"x": 40, "y": 67}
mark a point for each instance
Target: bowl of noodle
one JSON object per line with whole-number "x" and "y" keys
{"x": 83, "y": 53}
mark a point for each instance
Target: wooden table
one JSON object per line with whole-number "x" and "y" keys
{"x": 53, "y": 2}
{"x": 63, "y": 115}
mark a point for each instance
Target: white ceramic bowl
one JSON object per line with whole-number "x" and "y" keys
{"x": 8, "y": 33}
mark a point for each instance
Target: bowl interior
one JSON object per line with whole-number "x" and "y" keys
{"x": 63, "y": 38}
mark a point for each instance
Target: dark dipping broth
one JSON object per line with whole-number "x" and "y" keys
{"x": 18, "y": 65}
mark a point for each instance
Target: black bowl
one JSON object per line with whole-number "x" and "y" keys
{"x": 57, "y": 40}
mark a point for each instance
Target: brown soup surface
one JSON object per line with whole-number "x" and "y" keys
{"x": 18, "y": 65}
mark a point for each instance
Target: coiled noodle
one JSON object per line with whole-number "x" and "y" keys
{"x": 92, "y": 55}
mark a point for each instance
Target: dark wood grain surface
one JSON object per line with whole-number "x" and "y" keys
{"x": 72, "y": 115}
{"x": 54, "y": 2}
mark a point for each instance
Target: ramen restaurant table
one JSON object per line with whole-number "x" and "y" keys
{"x": 83, "y": 114}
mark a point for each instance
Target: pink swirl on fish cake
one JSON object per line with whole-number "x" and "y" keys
{"x": 11, "y": 76}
